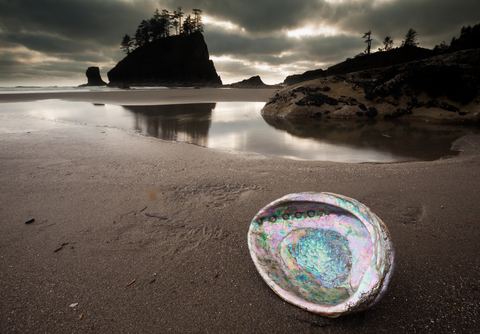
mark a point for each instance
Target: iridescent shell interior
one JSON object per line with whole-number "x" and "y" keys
{"x": 323, "y": 252}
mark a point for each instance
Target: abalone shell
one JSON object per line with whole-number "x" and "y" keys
{"x": 323, "y": 252}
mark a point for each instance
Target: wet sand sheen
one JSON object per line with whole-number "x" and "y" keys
{"x": 148, "y": 97}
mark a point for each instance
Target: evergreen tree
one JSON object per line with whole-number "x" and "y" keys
{"x": 175, "y": 24}
{"x": 441, "y": 48}
{"x": 142, "y": 35}
{"x": 127, "y": 43}
{"x": 368, "y": 41}
{"x": 410, "y": 39}
{"x": 165, "y": 23}
{"x": 197, "y": 20}
{"x": 465, "y": 31}
{"x": 159, "y": 25}
{"x": 155, "y": 26}
{"x": 188, "y": 25}
{"x": 179, "y": 14}
{"x": 387, "y": 44}
{"x": 469, "y": 39}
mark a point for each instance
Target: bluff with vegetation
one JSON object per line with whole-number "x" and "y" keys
{"x": 442, "y": 85}
{"x": 389, "y": 56}
{"x": 360, "y": 63}
{"x": 443, "y": 88}
{"x": 172, "y": 61}
{"x": 158, "y": 56}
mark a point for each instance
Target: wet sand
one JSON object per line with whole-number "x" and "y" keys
{"x": 96, "y": 194}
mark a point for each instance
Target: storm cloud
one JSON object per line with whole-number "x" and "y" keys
{"x": 54, "y": 41}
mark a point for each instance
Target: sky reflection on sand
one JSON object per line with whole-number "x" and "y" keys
{"x": 238, "y": 126}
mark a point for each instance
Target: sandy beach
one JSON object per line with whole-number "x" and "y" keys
{"x": 100, "y": 257}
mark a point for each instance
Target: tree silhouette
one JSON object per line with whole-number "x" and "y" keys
{"x": 142, "y": 35}
{"x": 410, "y": 39}
{"x": 368, "y": 41}
{"x": 469, "y": 39}
{"x": 465, "y": 31}
{"x": 387, "y": 44}
{"x": 156, "y": 26}
{"x": 165, "y": 23}
{"x": 179, "y": 14}
{"x": 188, "y": 26}
{"x": 441, "y": 48}
{"x": 127, "y": 43}
{"x": 175, "y": 24}
{"x": 197, "y": 20}
{"x": 159, "y": 25}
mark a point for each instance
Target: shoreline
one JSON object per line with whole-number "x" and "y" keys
{"x": 95, "y": 192}
{"x": 147, "y": 96}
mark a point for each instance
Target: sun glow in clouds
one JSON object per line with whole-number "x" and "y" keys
{"x": 312, "y": 31}
{"x": 222, "y": 24}
{"x": 233, "y": 70}
{"x": 339, "y": 2}
{"x": 236, "y": 69}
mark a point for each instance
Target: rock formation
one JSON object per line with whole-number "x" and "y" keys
{"x": 172, "y": 61}
{"x": 380, "y": 59}
{"x": 307, "y": 76}
{"x": 253, "y": 82}
{"x": 437, "y": 89}
{"x": 360, "y": 63}
{"x": 94, "y": 77}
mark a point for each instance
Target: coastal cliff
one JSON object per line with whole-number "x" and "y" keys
{"x": 172, "y": 61}
{"x": 438, "y": 89}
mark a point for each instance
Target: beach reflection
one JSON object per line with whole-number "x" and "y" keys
{"x": 239, "y": 126}
{"x": 404, "y": 141}
{"x": 184, "y": 122}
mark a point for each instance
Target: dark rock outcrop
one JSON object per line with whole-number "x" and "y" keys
{"x": 443, "y": 88}
{"x": 361, "y": 63}
{"x": 94, "y": 77}
{"x": 380, "y": 59}
{"x": 307, "y": 76}
{"x": 253, "y": 82}
{"x": 172, "y": 61}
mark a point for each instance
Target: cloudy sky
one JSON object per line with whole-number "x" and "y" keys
{"x": 52, "y": 42}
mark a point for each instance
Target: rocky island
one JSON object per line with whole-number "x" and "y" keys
{"x": 172, "y": 61}
{"x": 253, "y": 82}
{"x": 94, "y": 78}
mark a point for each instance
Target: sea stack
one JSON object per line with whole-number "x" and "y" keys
{"x": 94, "y": 77}
{"x": 180, "y": 61}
